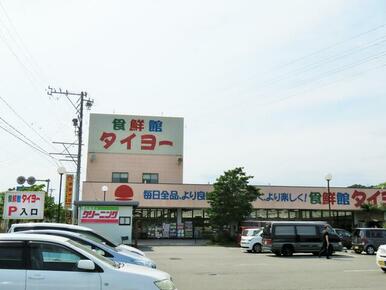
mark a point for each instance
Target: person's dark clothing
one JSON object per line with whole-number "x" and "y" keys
{"x": 325, "y": 249}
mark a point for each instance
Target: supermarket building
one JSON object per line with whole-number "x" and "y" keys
{"x": 140, "y": 159}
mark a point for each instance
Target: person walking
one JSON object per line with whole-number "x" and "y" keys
{"x": 326, "y": 243}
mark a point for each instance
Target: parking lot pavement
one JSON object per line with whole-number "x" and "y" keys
{"x": 227, "y": 268}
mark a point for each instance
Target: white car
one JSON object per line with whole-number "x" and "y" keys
{"x": 252, "y": 240}
{"x": 381, "y": 257}
{"x": 42, "y": 262}
{"x": 91, "y": 234}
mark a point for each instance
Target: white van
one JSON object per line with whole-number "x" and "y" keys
{"x": 252, "y": 240}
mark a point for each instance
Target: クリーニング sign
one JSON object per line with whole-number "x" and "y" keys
{"x": 99, "y": 214}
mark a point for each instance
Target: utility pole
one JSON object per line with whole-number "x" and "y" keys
{"x": 78, "y": 124}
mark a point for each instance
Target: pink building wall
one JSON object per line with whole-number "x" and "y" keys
{"x": 101, "y": 165}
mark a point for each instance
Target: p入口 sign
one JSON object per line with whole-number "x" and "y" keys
{"x": 24, "y": 205}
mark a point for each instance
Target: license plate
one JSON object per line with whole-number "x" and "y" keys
{"x": 356, "y": 247}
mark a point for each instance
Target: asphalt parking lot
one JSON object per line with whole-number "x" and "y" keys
{"x": 230, "y": 268}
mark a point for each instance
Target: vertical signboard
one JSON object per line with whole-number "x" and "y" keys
{"x": 68, "y": 190}
{"x": 24, "y": 205}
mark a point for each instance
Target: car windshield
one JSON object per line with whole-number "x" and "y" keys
{"x": 250, "y": 232}
{"x": 94, "y": 254}
{"x": 97, "y": 238}
{"x": 343, "y": 233}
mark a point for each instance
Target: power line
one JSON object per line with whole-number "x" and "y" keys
{"x": 345, "y": 67}
{"x": 295, "y": 61}
{"x": 30, "y": 145}
{"x": 334, "y": 45}
{"x": 329, "y": 59}
{"x": 21, "y": 42}
{"x": 318, "y": 87}
{"x": 32, "y": 142}
{"x": 29, "y": 73}
{"x": 25, "y": 122}
{"x": 337, "y": 70}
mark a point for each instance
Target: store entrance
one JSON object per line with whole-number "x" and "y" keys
{"x": 171, "y": 223}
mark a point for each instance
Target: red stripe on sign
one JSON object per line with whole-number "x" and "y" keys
{"x": 99, "y": 221}
{"x": 169, "y": 143}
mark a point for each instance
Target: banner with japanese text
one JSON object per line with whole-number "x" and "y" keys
{"x": 272, "y": 197}
{"x": 127, "y": 134}
{"x": 24, "y": 205}
{"x": 68, "y": 190}
{"x": 99, "y": 214}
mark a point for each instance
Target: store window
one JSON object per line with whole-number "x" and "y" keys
{"x": 306, "y": 214}
{"x": 283, "y": 214}
{"x": 120, "y": 177}
{"x": 316, "y": 214}
{"x": 294, "y": 214}
{"x": 198, "y": 213}
{"x": 272, "y": 214}
{"x": 150, "y": 178}
{"x": 187, "y": 213}
{"x": 261, "y": 214}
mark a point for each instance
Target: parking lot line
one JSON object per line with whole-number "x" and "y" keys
{"x": 361, "y": 270}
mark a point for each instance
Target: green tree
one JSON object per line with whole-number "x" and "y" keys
{"x": 359, "y": 186}
{"x": 231, "y": 198}
{"x": 381, "y": 185}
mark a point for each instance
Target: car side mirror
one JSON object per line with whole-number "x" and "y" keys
{"x": 100, "y": 252}
{"x": 86, "y": 265}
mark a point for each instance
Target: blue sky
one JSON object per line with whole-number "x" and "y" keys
{"x": 291, "y": 90}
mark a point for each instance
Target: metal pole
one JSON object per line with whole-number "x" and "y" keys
{"x": 77, "y": 183}
{"x": 60, "y": 197}
{"x": 329, "y": 201}
{"x": 48, "y": 185}
{"x": 104, "y": 195}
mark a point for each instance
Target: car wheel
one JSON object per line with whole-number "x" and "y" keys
{"x": 257, "y": 248}
{"x": 370, "y": 250}
{"x": 384, "y": 269}
{"x": 287, "y": 250}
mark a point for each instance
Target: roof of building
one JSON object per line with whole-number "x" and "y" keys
{"x": 107, "y": 203}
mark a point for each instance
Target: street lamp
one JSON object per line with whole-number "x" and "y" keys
{"x": 61, "y": 171}
{"x": 328, "y": 179}
{"x": 104, "y": 189}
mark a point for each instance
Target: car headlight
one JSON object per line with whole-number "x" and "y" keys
{"x": 146, "y": 263}
{"x": 165, "y": 285}
{"x": 382, "y": 251}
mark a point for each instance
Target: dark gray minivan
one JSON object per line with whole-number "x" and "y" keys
{"x": 368, "y": 240}
{"x": 288, "y": 237}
